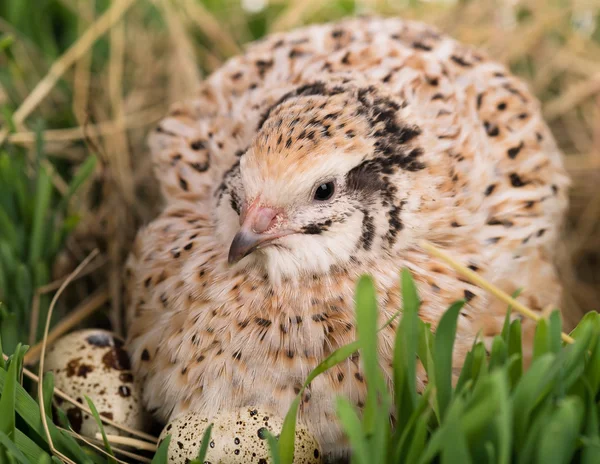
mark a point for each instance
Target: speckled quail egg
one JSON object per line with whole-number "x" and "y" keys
{"x": 237, "y": 438}
{"x": 93, "y": 363}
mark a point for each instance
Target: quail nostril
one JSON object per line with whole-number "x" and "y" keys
{"x": 265, "y": 218}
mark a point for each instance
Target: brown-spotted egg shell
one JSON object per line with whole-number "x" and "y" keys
{"x": 93, "y": 363}
{"x": 237, "y": 437}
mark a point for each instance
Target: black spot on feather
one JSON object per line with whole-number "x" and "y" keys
{"x": 318, "y": 228}
{"x": 516, "y": 180}
{"x": 469, "y": 295}
{"x": 368, "y": 231}
{"x": 460, "y": 61}
{"x": 491, "y": 130}
{"x": 198, "y": 145}
{"x": 514, "y": 151}
{"x": 262, "y": 322}
{"x": 421, "y": 46}
{"x": 200, "y": 167}
{"x": 183, "y": 184}
{"x": 395, "y": 223}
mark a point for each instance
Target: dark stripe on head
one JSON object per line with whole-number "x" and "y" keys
{"x": 364, "y": 178}
{"x": 367, "y": 177}
{"x": 306, "y": 90}
{"x": 317, "y": 228}
{"x": 368, "y": 231}
{"x": 231, "y": 184}
{"x": 395, "y": 223}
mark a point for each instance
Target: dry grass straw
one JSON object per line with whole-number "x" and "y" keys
{"x": 65, "y": 325}
{"x": 45, "y": 289}
{"x": 486, "y": 285}
{"x": 95, "y": 442}
{"x": 136, "y": 120}
{"x": 126, "y": 441}
{"x": 79, "y": 268}
{"x": 85, "y": 309}
{"x": 75, "y": 52}
{"x": 63, "y": 396}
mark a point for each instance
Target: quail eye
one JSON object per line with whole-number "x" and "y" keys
{"x": 324, "y": 191}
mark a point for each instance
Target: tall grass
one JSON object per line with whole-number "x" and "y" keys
{"x": 114, "y": 91}
{"x": 35, "y": 221}
{"x": 492, "y": 411}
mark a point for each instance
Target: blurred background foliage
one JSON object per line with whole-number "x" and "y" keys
{"x": 89, "y": 78}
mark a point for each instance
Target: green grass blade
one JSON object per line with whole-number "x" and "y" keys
{"x": 162, "y": 453}
{"x": 590, "y": 453}
{"x": 592, "y": 318}
{"x": 454, "y": 448}
{"x": 505, "y": 334}
{"x": 425, "y": 349}
{"x": 9, "y": 329}
{"x": 515, "y": 351}
{"x": 418, "y": 441}
{"x": 107, "y": 447}
{"x": 205, "y": 443}
{"x": 43, "y": 196}
{"x": 572, "y": 357}
{"x": 48, "y": 390}
{"x": 288, "y": 430}
{"x": 29, "y": 411}
{"x": 405, "y": 351}
{"x": 83, "y": 173}
{"x": 592, "y": 368}
{"x": 9, "y": 396}
{"x": 29, "y": 448}
{"x": 558, "y": 442}
{"x": 554, "y": 332}
{"x": 466, "y": 371}
{"x": 541, "y": 339}
{"x": 4, "y": 290}
{"x": 7, "y": 258}
{"x": 528, "y": 444}
{"x": 499, "y": 353}
{"x": 353, "y": 429}
{"x": 483, "y": 405}
{"x": 504, "y": 423}
{"x": 422, "y": 409}
{"x": 443, "y": 348}
{"x": 273, "y": 448}
{"x": 288, "y": 433}
{"x": 527, "y": 394}
{"x": 438, "y": 439}
{"x": 9, "y": 232}
{"x": 366, "y": 318}
{"x": 12, "y": 449}
{"x": 23, "y": 286}
{"x": 2, "y": 361}
{"x": 480, "y": 366}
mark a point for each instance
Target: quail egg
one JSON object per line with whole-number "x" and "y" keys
{"x": 237, "y": 437}
{"x": 93, "y": 363}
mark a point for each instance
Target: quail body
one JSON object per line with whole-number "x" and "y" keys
{"x": 315, "y": 157}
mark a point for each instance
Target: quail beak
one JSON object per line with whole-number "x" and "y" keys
{"x": 256, "y": 221}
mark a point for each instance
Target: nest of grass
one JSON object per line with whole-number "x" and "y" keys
{"x": 98, "y": 75}
{"x": 121, "y": 67}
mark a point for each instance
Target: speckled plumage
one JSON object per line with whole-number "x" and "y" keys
{"x": 424, "y": 138}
